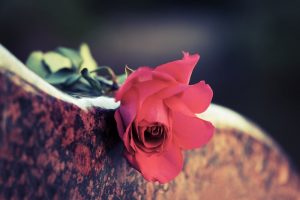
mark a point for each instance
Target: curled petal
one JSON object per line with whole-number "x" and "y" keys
{"x": 191, "y": 132}
{"x": 148, "y": 88}
{"x": 132, "y": 133}
{"x": 125, "y": 116}
{"x": 175, "y": 104}
{"x": 181, "y": 70}
{"x": 172, "y": 90}
{"x": 128, "y": 139}
{"x": 158, "y": 167}
{"x": 197, "y": 97}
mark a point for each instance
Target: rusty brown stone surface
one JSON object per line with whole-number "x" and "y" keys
{"x": 50, "y": 149}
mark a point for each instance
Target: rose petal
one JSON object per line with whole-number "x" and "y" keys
{"x": 158, "y": 167}
{"x": 181, "y": 70}
{"x": 175, "y": 104}
{"x": 153, "y": 110}
{"x": 191, "y": 132}
{"x": 197, "y": 97}
{"x": 131, "y": 141}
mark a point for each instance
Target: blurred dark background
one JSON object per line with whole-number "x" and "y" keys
{"x": 249, "y": 49}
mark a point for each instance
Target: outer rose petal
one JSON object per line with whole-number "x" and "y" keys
{"x": 120, "y": 125}
{"x": 148, "y": 88}
{"x": 197, "y": 97}
{"x": 158, "y": 167}
{"x": 181, "y": 70}
{"x": 125, "y": 115}
{"x": 191, "y": 132}
{"x": 129, "y": 107}
{"x": 141, "y": 74}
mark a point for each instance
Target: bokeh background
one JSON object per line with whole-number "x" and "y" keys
{"x": 249, "y": 48}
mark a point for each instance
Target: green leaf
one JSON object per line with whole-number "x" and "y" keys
{"x": 78, "y": 87}
{"x": 104, "y": 80}
{"x": 35, "y": 63}
{"x": 83, "y": 81}
{"x": 72, "y": 79}
{"x": 73, "y": 55}
{"x": 112, "y": 83}
{"x": 88, "y": 60}
{"x": 55, "y": 61}
{"x": 94, "y": 83}
{"x": 75, "y": 72}
{"x": 60, "y": 76}
{"x": 121, "y": 79}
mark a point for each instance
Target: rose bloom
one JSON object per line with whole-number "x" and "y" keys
{"x": 156, "y": 118}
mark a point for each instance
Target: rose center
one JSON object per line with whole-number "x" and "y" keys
{"x": 154, "y": 133}
{"x": 151, "y": 138}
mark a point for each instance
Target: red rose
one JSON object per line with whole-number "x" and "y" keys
{"x": 156, "y": 118}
